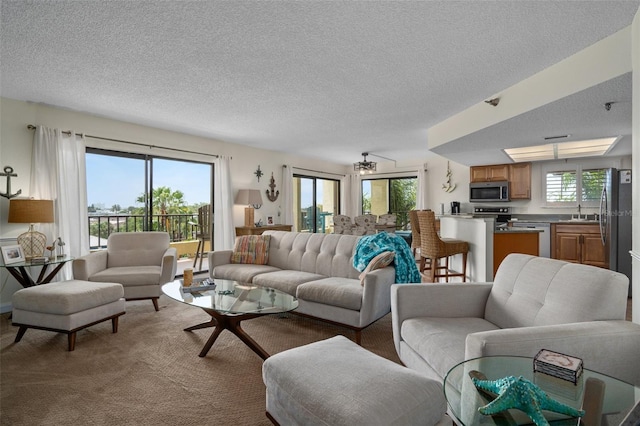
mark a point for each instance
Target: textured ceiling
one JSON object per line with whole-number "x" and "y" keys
{"x": 312, "y": 78}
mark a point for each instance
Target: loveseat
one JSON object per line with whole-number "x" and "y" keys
{"x": 533, "y": 303}
{"x": 318, "y": 270}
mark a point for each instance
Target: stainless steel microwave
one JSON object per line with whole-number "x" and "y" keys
{"x": 488, "y": 191}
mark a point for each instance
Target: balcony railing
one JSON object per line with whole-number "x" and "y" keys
{"x": 180, "y": 227}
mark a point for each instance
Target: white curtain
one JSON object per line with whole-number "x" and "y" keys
{"x": 223, "y": 230}
{"x": 352, "y": 195}
{"x": 423, "y": 185}
{"x": 287, "y": 196}
{"x": 58, "y": 173}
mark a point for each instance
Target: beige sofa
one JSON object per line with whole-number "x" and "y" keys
{"x": 534, "y": 303}
{"x": 141, "y": 261}
{"x": 318, "y": 270}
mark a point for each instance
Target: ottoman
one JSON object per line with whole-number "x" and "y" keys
{"x": 337, "y": 382}
{"x": 67, "y": 307}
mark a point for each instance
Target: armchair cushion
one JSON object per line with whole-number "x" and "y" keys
{"x": 136, "y": 248}
{"x": 129, "y": 275}
{"x": 531, "y": 290}
{"x": 442, "y": 340}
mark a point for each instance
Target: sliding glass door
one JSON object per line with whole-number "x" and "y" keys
{"x": 394, "y": 195}
{"x": 134, "y": 192}
{"x": 315, "y": 201}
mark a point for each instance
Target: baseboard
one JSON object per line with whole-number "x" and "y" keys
{"x": 6, "y": 307}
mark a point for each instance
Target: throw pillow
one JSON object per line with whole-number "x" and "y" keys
{"x": 253, "y": 249}
{"x": 382, "y": 260}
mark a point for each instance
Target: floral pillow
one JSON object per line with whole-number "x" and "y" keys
{"x": 382, "y": 260}
{"x": 251, "y": 249}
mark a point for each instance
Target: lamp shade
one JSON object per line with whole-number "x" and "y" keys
{"x": 30, "y": 211}
{"x": 249, "y": 197}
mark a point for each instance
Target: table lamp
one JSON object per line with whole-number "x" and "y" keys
{"x": 253, "y": 200}
{"x": 31, "y": 211}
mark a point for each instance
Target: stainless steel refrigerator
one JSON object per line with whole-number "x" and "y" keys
{"x": 615, "y": 220}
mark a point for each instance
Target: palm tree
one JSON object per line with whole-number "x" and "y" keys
{"x": 165, "y": 202}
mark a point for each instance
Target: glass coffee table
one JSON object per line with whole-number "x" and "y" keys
{"x": 464, "y": 400}
{"x": 230, "y": 303}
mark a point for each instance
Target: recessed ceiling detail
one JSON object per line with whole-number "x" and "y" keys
{"x": 558, "y": 151}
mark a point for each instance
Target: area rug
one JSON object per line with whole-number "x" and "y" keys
{"x": 149, "y": 373}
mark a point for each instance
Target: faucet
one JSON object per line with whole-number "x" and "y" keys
{"x": 579, "y": 211}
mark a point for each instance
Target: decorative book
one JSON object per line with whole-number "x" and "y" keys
{"x": 199, "y": 285}
{"x": 558, "y": 365}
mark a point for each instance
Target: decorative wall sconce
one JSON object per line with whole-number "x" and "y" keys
{"x": 448, "y": 187}
{"x": 258, "y": 173}
{"x": 271, "y": 195}
{"x": 8, "y": 172}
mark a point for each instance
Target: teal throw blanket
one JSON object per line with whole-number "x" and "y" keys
{"x": 370, "y": 246}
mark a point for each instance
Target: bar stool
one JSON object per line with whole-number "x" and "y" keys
{"x": 434, "y": 248}
{"x": 415, "y": 231}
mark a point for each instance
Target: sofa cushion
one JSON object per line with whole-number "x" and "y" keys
{"x": 243, "y": 273}
{"x": 323, "y": 254}
{"x": 253, "y": 249}
{"x": 380, "y": 261}
{"x": 441, "y": 341}
{"x": 287, "y": 281}
{"x": 335, "y": 291}
{"x": 129, "y": 275}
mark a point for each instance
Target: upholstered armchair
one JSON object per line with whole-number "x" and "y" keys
{"x": 534, "y": 303}
{"x": 141, "y": 261}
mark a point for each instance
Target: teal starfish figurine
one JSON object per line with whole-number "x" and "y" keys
{"x": 521, "y": 394}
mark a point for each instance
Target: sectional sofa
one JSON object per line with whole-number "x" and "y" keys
{"x": 318, "y": 270}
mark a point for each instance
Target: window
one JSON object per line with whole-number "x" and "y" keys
{"x": 394, "y": 195}
{"x": 576, "y": 186}
{"x": 136, "y": 192}
{"x": 315, "y": 201}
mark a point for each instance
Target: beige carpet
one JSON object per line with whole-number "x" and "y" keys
{"x": 149, "y": 372}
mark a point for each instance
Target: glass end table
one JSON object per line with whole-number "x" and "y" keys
{"x": 464, "y": 399}
{"x": 21, "y": 273}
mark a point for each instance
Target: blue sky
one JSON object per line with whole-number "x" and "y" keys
{"x": 117, "y": 180}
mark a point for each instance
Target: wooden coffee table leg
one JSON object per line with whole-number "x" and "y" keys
{"x": 207, "y": 324}
{"x": 231, "y": 323}
{"x": 235, "y": 328}
{"x": 211, "y": 340}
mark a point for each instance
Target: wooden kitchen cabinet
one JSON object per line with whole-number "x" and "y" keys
{"x": 493, "y": 173}
{"x": 520, "y": 181}
{"x": 517, "y": 174}
{"x": 505, "y": 243}
{"x": 579, "y": 243}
